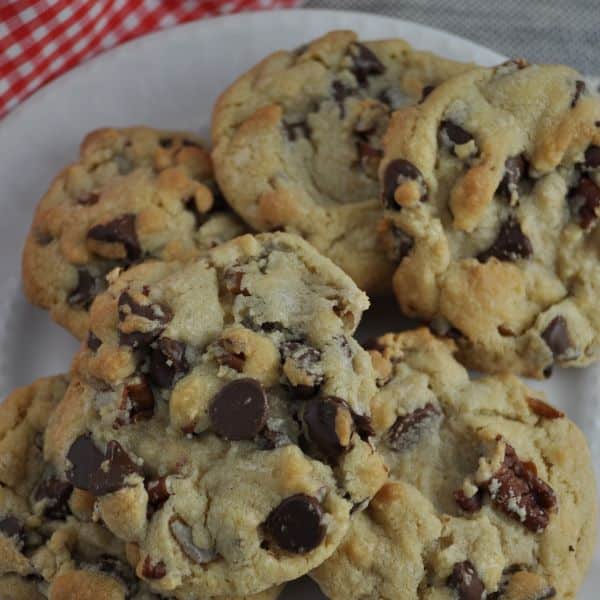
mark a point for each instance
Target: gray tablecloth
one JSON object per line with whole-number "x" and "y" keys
{"x": 542, "y": 31}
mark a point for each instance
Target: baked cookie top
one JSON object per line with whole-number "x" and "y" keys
{"x": 134, "y": 193}
{"x": 50, "y": 545}
{"x": 297, "y": 141}
{"x": 491, "y": 195}
{"x": 228, "y": 404}
{"x": 491, "y": 491}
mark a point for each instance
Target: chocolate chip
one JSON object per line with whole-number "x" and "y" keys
{"x": 86, "y": 460}
{"x": 12, "y": 528}
{"x": 168, "y": 362}
{"x": 93, "y": 342}
{"x": 397, "y": 172}
{"x": 407, "y": 430}
{"x": 579, "y": 89}
{"x": 191, "y": 206}
{"x": 88, "y": 287}
{"x": 556, "y": 335}
{"x": 182, "y": 533}
{"x": 519, "y": 493}
{"x": 592, "y": 157}
{"x": 119, "y": 231}
{"x": 401, "y": 244}
{"x": 57, "y": 494}
{"x": 340, "y": 93}
{"x": 426, "y": 91}
{"x": 153, "y": 571}
{"x": 456, "y": 134}
{"x": 510, "y": 245}
{"x": 365, "y": 63}
{"x": 544, "y": 410}
{"x": 297, "y": 130}
{"x": 514, "y": 169}
{"x": 296, "y": 525}
{"x": 96, "y": 473}
{"x": 470, "y": 504}
{"x": 465, "y": 581}
{"x": 158, "y": 314}
{"x": 116, "y": 468}
{"x": 158, "y": 491}
{"x": 323, "y": 418}
{"x": 137, "y": 402}
{"x": 166, "y": 142}
{"x": 239, "y": 410}
{"x": 88, "y": 199}
{"x": 584, "y": 201}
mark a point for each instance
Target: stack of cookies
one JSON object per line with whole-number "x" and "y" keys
{"x": 222, "y": 432}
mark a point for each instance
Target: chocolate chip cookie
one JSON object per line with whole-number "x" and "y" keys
{"x": 219, "y": 415}
{"x": 491, "y": 195}
{"x": 50, "y": 546}
{"x": 297, "y": 142}
{"x": 492, "y": 493}
{"x": 134, "y": 194}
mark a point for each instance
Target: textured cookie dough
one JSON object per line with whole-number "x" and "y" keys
{"x": 219, "y": 415}
{"x": 50, "y": 548}
{"x": 491, "y": 492}
{"x": 491, "y": 190}
{"x": 134, "y": 194}
{"x": 297, "y": 142}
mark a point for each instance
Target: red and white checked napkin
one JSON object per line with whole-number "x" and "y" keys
{"x": 41, "y": 39}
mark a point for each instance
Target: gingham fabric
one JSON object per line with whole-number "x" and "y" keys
{"x": 40, "y": 39}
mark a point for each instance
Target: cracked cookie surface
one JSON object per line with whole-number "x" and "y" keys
{"x": 491, "y": 190}
{"x": 297, "y": 142}
{"x": 51, "y": 545}
{"x": 219, "y": 415}
{"x": 134, "y": 194}
{"x": 491, "y": 492}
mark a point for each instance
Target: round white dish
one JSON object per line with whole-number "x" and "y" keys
{"x": 171, "y": 79}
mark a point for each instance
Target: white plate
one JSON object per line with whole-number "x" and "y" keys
{"x": 171, "y": 79}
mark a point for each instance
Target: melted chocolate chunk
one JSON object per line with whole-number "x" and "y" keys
{"x": 407, "y": 430}
{"x": 93, "y": 342}
{"x": 296, "y": 525}
{"x": 231, "y": 360}
{"x": 88, "y": 287}
{"x": 239, "y": 410}
{"x": 510, "y": 245}
{"x": 57, "y": 494}
{"x": 584, "y": 202}
{"x": 307, "y": 359}
{"x": 456, "y": 134}
{"x": 297, "y": 130}
{"x": 168, "y": 362}
{"x": 544, "y": 410}
{"x": 469, "y": 504}
{"x": 95, "y": 472}
{"x": 340, "y": 93}
{"x": 365, "y": 63}
{"x": 88, "y": 199}
{"x": 518, "y": 492}
{"x": 182, "y": 533}
{"x": 579, "y": 89}
{"x": 592, "y": 157}
{"x": 86, "y": 460}
{"x": 556, "y": 335}
{"x": 119, "y": 231}
{"x": 158, "y": 314}
{"x": 12, "y": 528}
{"x": 515, "y": 168}
{"x": 396, "y": 172}
{"x": 322, "y": 418}
{"x": 138, "y": 402}
{"x": 153, "y": 571}
{"x": 465, "y": 581}
{"x": 158, "y": 491}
